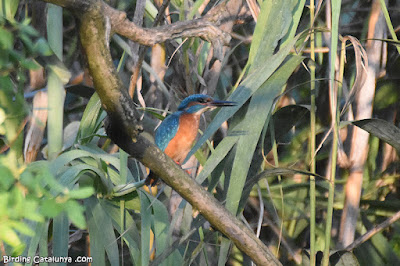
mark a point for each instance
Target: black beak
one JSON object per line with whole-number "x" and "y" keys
{"x": 217, "y": 103}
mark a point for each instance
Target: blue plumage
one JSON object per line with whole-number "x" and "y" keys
{"x": 178, "y": 131}
{"x": 190, "y": 105}
{"x": 199, "y": 98}
{"x": 167, "y": 130}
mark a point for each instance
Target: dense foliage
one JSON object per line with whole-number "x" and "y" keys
{"x": 291, "y": 162}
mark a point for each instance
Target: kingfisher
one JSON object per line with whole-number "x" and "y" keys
{"x": 178, "y": 131}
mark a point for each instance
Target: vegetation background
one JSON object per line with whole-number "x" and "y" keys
{"x": 294, "y": 161}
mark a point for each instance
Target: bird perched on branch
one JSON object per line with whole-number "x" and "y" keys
{"x": 177, "y": 133}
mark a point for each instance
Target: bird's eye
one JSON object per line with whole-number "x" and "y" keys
{"x": 202, "y": 100}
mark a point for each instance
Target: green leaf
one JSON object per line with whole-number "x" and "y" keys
{"x": 296, "y": 16}
{"x": 55, "y": 28}
{"x": 22, "y": 227}
{"x": 245, "y": 90}
{"x": 154, "y": 114}
{"x": 50, "y": 208}
{"x": 216, "y": 157}
{"x": 90, "y": 120}
{"x": 37, "y": 176}
{"x": 382, "y": 246}
{"x": 112, "y": 159}
{"x": 389, "y": 23}
{"x": 275, "y": 172}
{"x": 97, "y": 240}
{"x": 105, "y": 230}
{"x": 66, "y": 158}
{"x": 129, "y": 193}
{"x": 29, "y": 63}
{"x": 161, "y": 224}
{"x": 43, "y": 244}
{"x": 381, "y": 129}
{"x": 387, "y": 94}
{"x": 9, "y": 236}
{"x": 61, "y": 72}
{"x": 81, "y": 193}
{"x": 42, "y": 47}
{"x": 32, "y": 243}
{"x": 128, "y": 230}
{"x": 6, "y": 39}
{"x": 30, "y": 211}
{"x": 145, "y": 214}
{"x": 27, "y": 29}
{"x": 260, "y": 107}
{"x": 60, "y": 235}
{"x": 75, "y": 213}
{"x": 284, "y": 120}
{"x": 273, "y": 23}
{"x": 8, "y": 9}
{"x": 7, "y": 178}
{"x": 27, "y": 41}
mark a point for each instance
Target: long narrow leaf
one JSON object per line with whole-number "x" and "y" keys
{"x": 273, "y": 23}
{"x": 246, "y": 89}
{"x": 161, "y": 227}
{"x": 382, "y": 129}
{"x": 39, "y": 229}
{"x": 105, "y": 229}
{"x": 60, "y": 236}
{"x": 56, "y": 93}
{"x": 97, "y": 251}
{"x": 90, "y": 120}
{"x": 335, "y": 6}
{"x": 130, "y": 235}
{"x": 145, "y": 229}
{"x": 260, "y": 107}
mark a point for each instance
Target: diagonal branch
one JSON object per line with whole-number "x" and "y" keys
{"x": 124, "y": 129}
{"x": 377, "y": 229}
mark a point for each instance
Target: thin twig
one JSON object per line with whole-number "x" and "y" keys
{"x": 373, "y": 231}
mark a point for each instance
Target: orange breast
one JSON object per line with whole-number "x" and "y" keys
{"x": 180, "y": 145}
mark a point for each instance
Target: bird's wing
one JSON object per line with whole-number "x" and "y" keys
{"x": 167, "y": 130}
